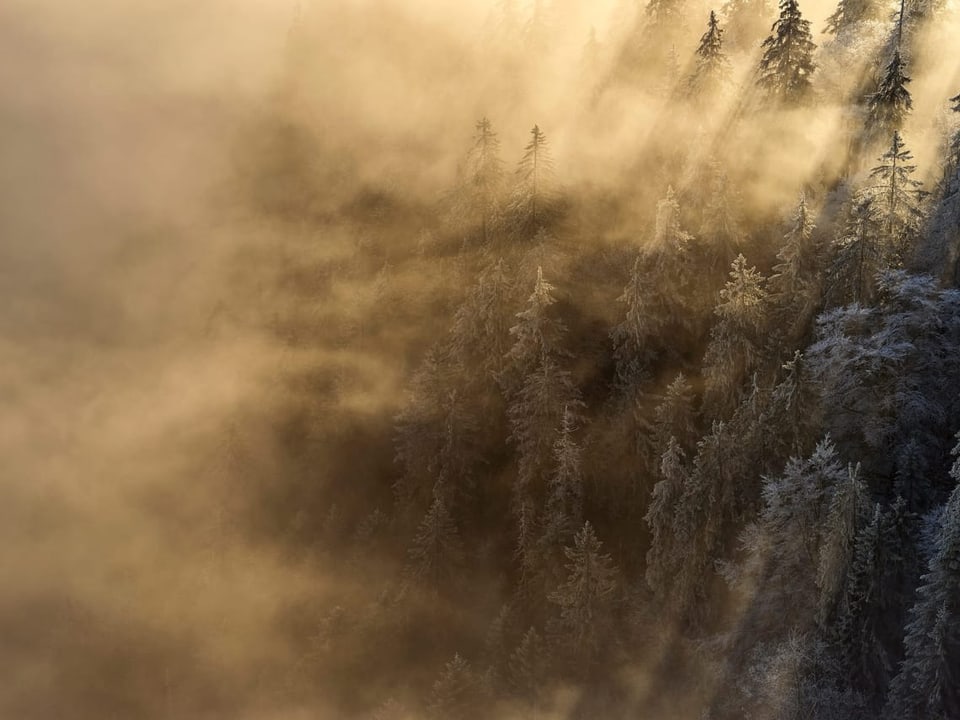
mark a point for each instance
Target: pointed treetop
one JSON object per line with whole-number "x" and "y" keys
{"x": 787, "y": 62}
{"x": 889, "y": 106}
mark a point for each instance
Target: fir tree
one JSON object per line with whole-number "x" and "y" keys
{"x": 848, "y": 507}
{"x": 485, "y": 177}
{"x": 633, "y": 335}
{"x": 457, "y": 694}
{"x": 586, "y": 600}
{"x": 896, "y": 197}
{"x": 736, "y": 336}
{"x": 537, "y": 334}
{"x": 436, "y": 554}
{"x": 675, "y": 416}
{"x": 480, "y": 335}
{"x": 532, "y": 201}
{"x": 787, "y": 63}
{"x": 528, "y": 668}
{"x": 661, "y": 519}
{"x": 889, "y": 106}
{"x": 927, "y": 684}
{"x": 793, "y": 284}
{"x": 712, "y": 70}
{"x": 564, "y": 508}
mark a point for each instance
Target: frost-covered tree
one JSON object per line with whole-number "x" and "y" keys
{"x": 881, "y": 373}
{"x": 712, "y": 69}
{"x": 564, "y": 507}
{"x": 434, "y": 436}
{"x": 532, "y": 202}
{"x": 586, "y": 600}
{"x": 897, "y": 196}
{"x": 537, "y": 334}
{"x": 794, "y": 283}
{"x": 736, "y": 337}
{"x": 436, "y": 555}
{"x": 787, "y": 63}
{"x": 529, "y": 667}
{"x": 889, "y": 106}
{"x": 848, "y": 508}
{"x": 928, "y": 681}
{"x": 485, "y": 178}
{"x": 536, "y": 413}
{"x": 481, "y": 326}
{"x": 675, "y": 416}
{"x": 457, "y": 694}
{"x": 661, "y": 518}
{"x": 632, "y": 337}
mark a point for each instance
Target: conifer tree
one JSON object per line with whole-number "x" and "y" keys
{"x": 675, "y": 416}
{"x": 793, "y": 283}
{"x": 896, "y": 197}
{"x": 735, "y": 339}
{"x": 537, "y": 334}
{"x": 787, "y": 63}
{"x": 480, "y": 334}
{"x": 532, "y": 201}
{"x": 586, "y": 600}
{"x": 712, "y": 69}
{"x": 457, "y": 694}
{"x": 848, "y": 507}
{"x": 528, "y": 666}
{"x": 436, "y": 554}
{"x": 564, "y": 507}
{"x": 485, "y": 178}
{"x": 927, "y": 684}
{"x": 661, "y": 518}
{"x": 889, "y": 106}
{"x": 632, "y": 336}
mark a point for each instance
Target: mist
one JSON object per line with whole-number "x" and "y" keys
{"x": 266, "y": 452}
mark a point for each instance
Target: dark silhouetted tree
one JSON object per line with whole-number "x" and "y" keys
{"x": 787, "y": 63}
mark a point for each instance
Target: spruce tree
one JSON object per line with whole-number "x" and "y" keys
{"x": 528, "y": 666}
{"x": 793, "y": 285}
{"x": 787, "y": 63}
{"x": 675, "y": 416}
{"x": 632, "y": 336}
{"x": 532, "y": 202}
{"x": 457, "y": 694}
{"x": 889, "y": 106}
{"x": 927, "y": 684}
{"x": 586, "y": 600}
{"x": 537, "y": 334}
{"x": 736, "y": 337}
{"x": 712, "y": 69}
{"x": 485, "y": 177}
{"x": 436, "y": 555}
{"x": 666, "y": 544}
{"x": 896, "y": 198}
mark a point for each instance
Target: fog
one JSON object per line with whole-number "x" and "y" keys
{"x": 223, "y": 257}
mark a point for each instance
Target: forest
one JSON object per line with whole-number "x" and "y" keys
{"x": 542, "y": 360}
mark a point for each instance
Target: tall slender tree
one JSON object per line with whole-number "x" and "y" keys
{"x": 712, "y": 69}
{"x": 889, "y": 106}
{"x": 787, "y": 63}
